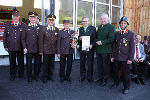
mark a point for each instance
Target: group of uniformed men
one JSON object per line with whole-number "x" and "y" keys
{"x": 36, "y": 41}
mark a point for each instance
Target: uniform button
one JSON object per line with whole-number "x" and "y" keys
{"x": 15, "y": 30}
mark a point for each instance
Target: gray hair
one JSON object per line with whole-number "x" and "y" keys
{"x": 104, "y": 14}
{"x": 85, "y": 17}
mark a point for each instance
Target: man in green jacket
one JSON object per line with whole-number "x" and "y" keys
{"x": 105, "y": 40}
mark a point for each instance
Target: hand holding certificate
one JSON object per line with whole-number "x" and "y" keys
{"x": 85, "y": 43}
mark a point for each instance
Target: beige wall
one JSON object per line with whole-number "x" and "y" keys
{"x": 28, "y": 5}
{"x": 138, "y": 12}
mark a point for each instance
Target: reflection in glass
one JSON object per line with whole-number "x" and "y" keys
{"x": 116, "y": 2}
{"x": 84, "y": 9}
{"x": 65, "y": 11}
{"x": 115, "y": 17}
{"x": 103, "y": 1}
{"x": 99, "y": 10}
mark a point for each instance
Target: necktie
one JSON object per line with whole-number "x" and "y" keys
{"x": 51, "y": 29}
{"x": 137, "y": 52}
{"x": 33, "y": 26}
{"x": 67, "y": 31}
{"x": 16, "y": 25}
{"x": 122, "y": 33}
{"x": 85, "y": 29}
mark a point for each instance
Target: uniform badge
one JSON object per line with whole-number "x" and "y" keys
{"x": 47, "y": 28}
{"x": 56, "y": 33}
{"x": 125, "y": 44}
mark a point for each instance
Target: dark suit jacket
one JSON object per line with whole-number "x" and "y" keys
{"x": 48, "y": 40}
{"x": 91, "y": 31}
{"x": 64, "y": 42}
{"x": 13, "y": 36}
{"x": 124, "y": 46}
{"x": 32, "y": 38}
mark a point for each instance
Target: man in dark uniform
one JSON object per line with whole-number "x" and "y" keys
{"x": 64, "y": 50}
{"x": 13, "y": 42}
{"x": 47, "y": 47}
{"x": 88, "y": 56}
{"x": 31, "y": 48}
{"x": 123, "y": 54}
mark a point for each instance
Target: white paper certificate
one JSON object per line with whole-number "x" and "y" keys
{"x": 85, "y": 43}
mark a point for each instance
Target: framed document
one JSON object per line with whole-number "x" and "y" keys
{"x": 85, "y": 43}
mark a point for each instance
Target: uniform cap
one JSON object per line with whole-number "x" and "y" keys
{"x": 15, "y": 13}
{"x": 32, "y": 14}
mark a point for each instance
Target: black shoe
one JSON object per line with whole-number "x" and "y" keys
{"x": 99, "y": 80}
{"x": 12, "y": 78}
{"x": 114, "y": 86}
{"x": 68, "y": 79}
{"x": 142, "y": 81}
{"x": 21, "y": 76}
{"x": 62, "y": 80}
{"x": 82, "y": 79}
{"x": 29, "y": 80}
{"x": 125, "y": 91}
{"x": 36, "y": 79}
{"x": 103, "y": 83}
{"x": 50, "y": 78}
{"x": 44, "y": 80}
{"x": 137, "y": 80}
{"x": 90, "y": 80}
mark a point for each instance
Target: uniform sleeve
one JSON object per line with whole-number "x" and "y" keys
{"x": 111, "y": 36}
{"x": 131, "y": 48}
{"x": 23, "y": 37}
{"x": 5, "y": 42}
{"x": 94, "y": 36}
{"x": 114, "y": 47}
{"x": 41, "y": 39}
{"x": 58, "y": 42}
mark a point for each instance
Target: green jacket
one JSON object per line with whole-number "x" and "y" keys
{"x": 106, "y": 35}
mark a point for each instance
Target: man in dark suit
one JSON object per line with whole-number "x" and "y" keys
{"x": 88, "y": 56}
{"x": 64, "y": 50}
{"x": 31, "y": 48}
{"x": 13, "y": 43}
{"x": 139, "y": 64}
{"x": 123, "y": 54}
{"x": 47, "y": 47}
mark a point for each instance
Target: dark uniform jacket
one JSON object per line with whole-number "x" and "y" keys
{"x": 64, "y": 42}
{"x": 124, "y": 46}
{"x": 32, "y": 38}
{"x": 90, "y": 31}
{"x": 48, "y": 40}
{"x": 13, "y": 36}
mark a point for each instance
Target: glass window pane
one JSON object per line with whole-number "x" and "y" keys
{"x": 84, "y": 9}
{"x": 65, "y": 11}
{"x": 115, "y": 17}
{"x": 17, "y": 3}
{"x": 99, "y": 10}
{"x": 116, "y": 2}
{"x": 103, "y": 1}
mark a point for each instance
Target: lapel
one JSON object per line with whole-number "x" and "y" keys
{"x": 83, "y": 32}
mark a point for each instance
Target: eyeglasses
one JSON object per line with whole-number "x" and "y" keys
{"x": 84, "y": 21}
